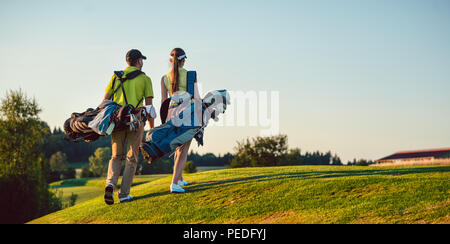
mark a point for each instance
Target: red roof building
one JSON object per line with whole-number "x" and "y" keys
{"x": 421, "y": 157}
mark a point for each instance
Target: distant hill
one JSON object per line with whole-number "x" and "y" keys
{"x": 296, "y": 194}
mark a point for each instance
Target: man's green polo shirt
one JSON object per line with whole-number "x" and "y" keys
{"x": 135, "y": 89}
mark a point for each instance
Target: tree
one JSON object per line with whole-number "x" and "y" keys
{"x": 360, "y": 162}
{"x": 58, "y": 162}
{"x": 86, "y": 172}
{"x": 70, "y": 173}
{"x": 23, "y": 184}
{"x": 260, "y": 151}
{"x": 335, "y": 160}
{"x": 209, "y": 159}
{"x": 72, "y": 200}
{"x": 163, "y": 165}
{"x": 59, "y": 167}
{"x": 273, "y": 151}
{"x": 98, "y": 163}
{"x": 190, "y": 167}
{"x": 293, "y": 157}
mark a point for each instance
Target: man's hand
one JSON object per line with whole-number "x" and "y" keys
{"x": 151, "y": 122}
{"x": 107, "y": 97}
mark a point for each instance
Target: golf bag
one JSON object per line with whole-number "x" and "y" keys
{"x": 108, "y": 116}
{"x": 188, "y": 122}
{"x": 91, "y": 124}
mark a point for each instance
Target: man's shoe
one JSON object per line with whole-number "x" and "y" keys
{"x": 128, "y": 198}
{"x": 174, "y": 188}
{"x": 109, "y": 194}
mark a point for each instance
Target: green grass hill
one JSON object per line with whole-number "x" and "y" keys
{"x": 294, "y": 194}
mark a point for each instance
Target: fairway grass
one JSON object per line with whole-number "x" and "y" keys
{"x": 87, "y": 189}
{"x": 293, "y": 194}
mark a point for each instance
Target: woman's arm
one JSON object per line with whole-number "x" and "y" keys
{"x": 163, "y": 91}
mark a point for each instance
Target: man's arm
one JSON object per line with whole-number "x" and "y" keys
{"x": 107, "y": 96}
{"x": 109, "y": 89}
{"x": 151, "y": 121}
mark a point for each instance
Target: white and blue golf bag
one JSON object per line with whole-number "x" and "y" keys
{"x": 188, "y": 121}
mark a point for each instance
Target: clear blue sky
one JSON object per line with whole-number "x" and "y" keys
{"x": 360, "y": 78}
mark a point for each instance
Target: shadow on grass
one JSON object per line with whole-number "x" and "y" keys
{"x": 156, "y": 194}
{"x": 316, "y": 175}
{"x": 83, "y": 182}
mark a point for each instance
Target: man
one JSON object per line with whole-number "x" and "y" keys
{"x": 125, "y": 144}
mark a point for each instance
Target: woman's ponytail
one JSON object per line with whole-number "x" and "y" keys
{"x": 176, "y": 54}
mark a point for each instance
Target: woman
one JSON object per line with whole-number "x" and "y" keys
{"x": 176, "y": 81}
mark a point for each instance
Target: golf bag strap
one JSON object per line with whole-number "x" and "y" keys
{"x": 114, "y": 84}
{"x": 121, "y": 85}
{"x": 129, "y": 76}
{"x": 191, "y": 79}
{"x": 139, "y": 102}
{"x": 142, "y": 99}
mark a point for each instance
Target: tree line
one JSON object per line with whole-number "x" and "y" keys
{"x": 274, "y": 151}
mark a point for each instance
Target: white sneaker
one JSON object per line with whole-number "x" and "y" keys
{"x": 182, "y": 183}
{"x": 128, "y": 198}
{"x": 174, "y": 188}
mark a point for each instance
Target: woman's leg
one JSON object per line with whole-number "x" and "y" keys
{"x": 180, "y": 161}
{"x": 175, "y": 166}
{"x": 184, "y": 155}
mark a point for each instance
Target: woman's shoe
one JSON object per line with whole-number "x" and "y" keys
{"x": 128, "y": 198}
{"x": 174, "y": 188}
{"x": 182, "y": 183}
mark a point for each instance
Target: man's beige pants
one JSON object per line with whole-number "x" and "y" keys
{"x": 124, "y": 142}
